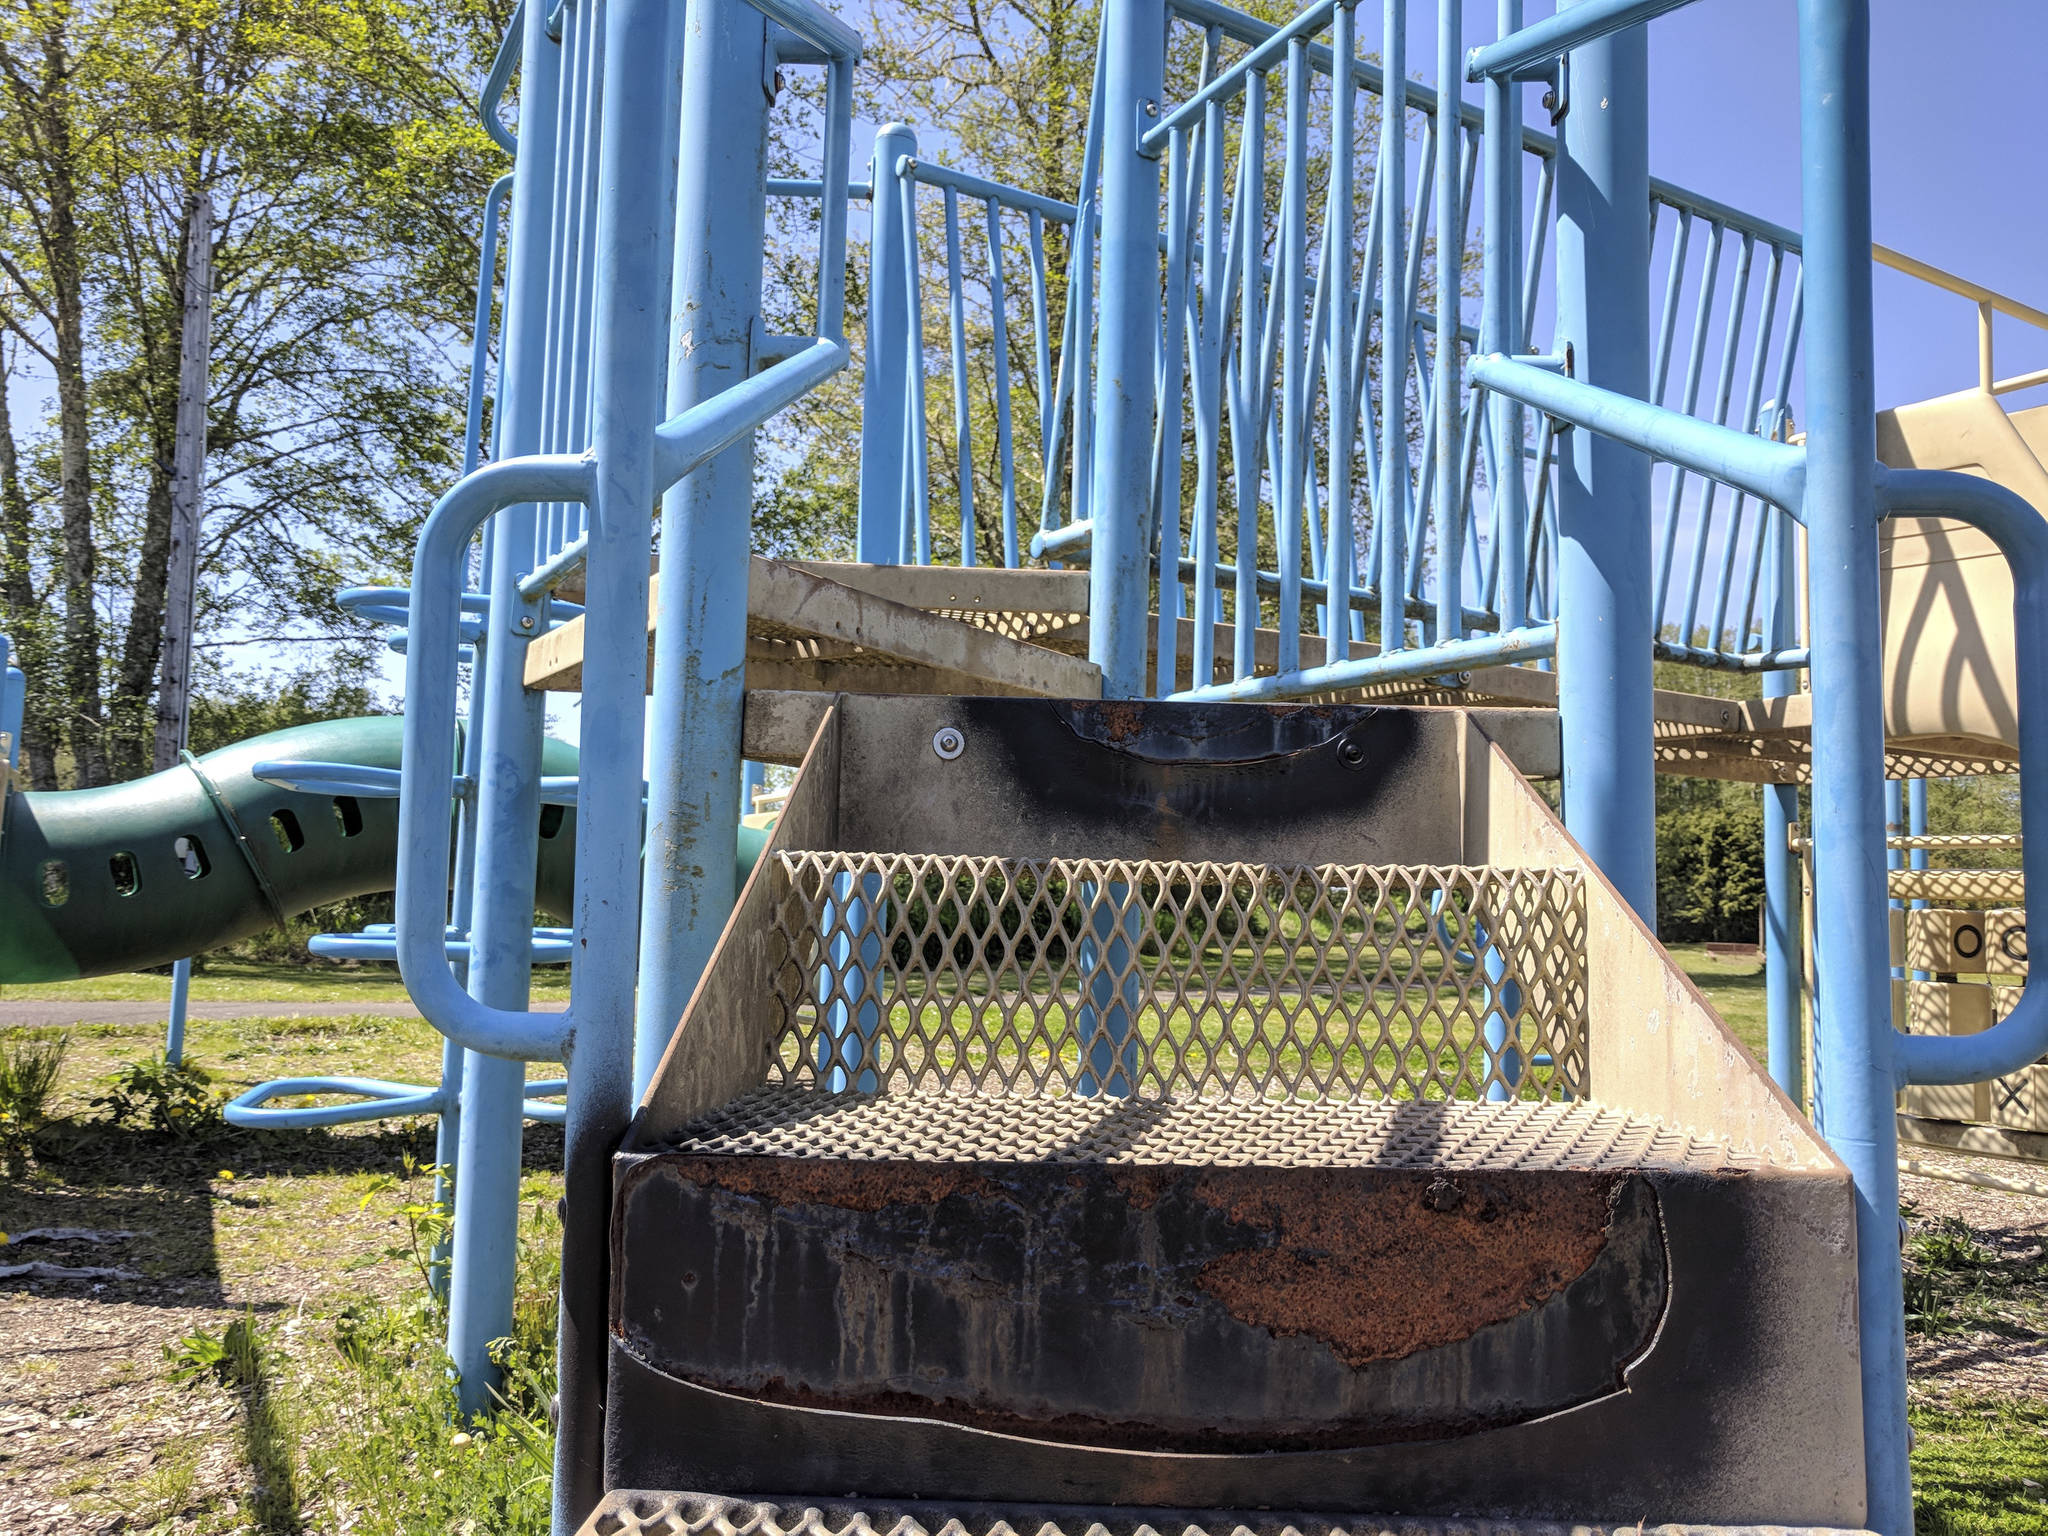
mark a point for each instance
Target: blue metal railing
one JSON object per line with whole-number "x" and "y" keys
{"x": 1221, "y": 378}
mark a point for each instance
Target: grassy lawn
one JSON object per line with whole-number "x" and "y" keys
{"x": 246, "y": 981}
{"x": 1734, "y": 985}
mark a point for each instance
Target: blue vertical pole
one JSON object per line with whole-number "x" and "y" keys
{"x": 1134, "y": 33}
{"x": 13, "y": 701}
{"x": 181, "y": 994}
{"x": 1894, "y": 858}
{"x": 700, "y": 649}
{"x": 1390, "y": 514}
{"x": 1450, "y": 285}
{"x": 1605, "y": 626}
{"x": 635, "y": 229}
{"x": 885, "y": 386}
{"x": 1783, "y": 968}
{"x": 1856, "y": 1065}
{"x": 1503, "y": 324}
{"x": 511, "y": 723}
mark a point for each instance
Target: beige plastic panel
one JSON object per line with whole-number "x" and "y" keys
{"x": 2020, "y": 1102}
{"x": 1948, "y": 1007}
{"x": 1947, "y": 593}
{"x": 2005, "y": 937}
{"x": 1943, "y": 939}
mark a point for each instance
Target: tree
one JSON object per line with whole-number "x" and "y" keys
{"x": 338, "y": 143}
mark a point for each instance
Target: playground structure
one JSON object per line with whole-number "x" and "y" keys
{"x": 1429, "y": 1002}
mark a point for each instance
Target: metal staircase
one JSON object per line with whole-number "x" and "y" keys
{"x": 1217, "y": 1107}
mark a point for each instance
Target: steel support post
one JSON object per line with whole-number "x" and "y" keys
{"x": 1391, "y": 512}
{"x": 1449, "y": 381}
{"x": 885, "y": 384}
{"x": 1118, "y": 606}
{"x": 1502, "y": 324}
{"x": 509, "y": 723}
{"x": 1605, "y": 626}
{"x": 1857, "y": 1069}
{"x": 635, "y": 228}
{"x": 700, "y": 648}
{"x": 1783, "y": 963}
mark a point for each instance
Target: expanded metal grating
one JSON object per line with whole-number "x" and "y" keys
{"x": 1178, "y": 980}
{"x": 794, "y": 1121}
{"x": 626, "y": 1513}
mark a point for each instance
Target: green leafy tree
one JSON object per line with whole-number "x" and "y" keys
{"x": 338, "y": 144}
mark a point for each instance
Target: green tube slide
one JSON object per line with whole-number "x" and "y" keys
{"x": 143, "y": 873}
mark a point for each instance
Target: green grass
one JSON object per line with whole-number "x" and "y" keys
{"x": 237, "y": 981}
{"x": 1980, "y": 1467}
{"x": 1734, "y": 985}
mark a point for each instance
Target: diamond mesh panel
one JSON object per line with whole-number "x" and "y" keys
{"x": 936, "y": 1127}
{"x": 1178, "y": 981}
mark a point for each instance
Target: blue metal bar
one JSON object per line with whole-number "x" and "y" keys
{"x": 917, "y": 494}
{"x": 1167, "y": 449}
{"x": 1724, "y": 389}
{"x": 1522, "y": 645}
{"x": 963, "y": 427}
{"x": 1389, "y": 510}
{"x": 890, "y": 354}
{"x": 499, "y": 831}
{"x": 812, "y": 186}
{"x": 1105, "y": 1025}
{"x": 1605, "y": 620}
{"x": 1572, "y": 27}
{"x": 1856, "y": 1047}
{"x": 1774, "y": 472}
{"x": 1502, "y": 331}
{"x": 1450, "y": 398}
{"x": 1783, "y": 964}
{"x": 999, "y": 348}
{"x": 1125, "y": 384}
{"x": 1247, "y": 221}
{"x": 1695, "y": 364}
{"x": 700, "y": 643}
{"x": 480, "y": 326}
{"x": 952, "y": 180}
{"x": 1339, "y": 563}
{"x": 1291, "y": 255}
{"x": 510, "y": 49}
{"x": 1269, "y": 52}
{"x": 174, "y": 1028}
{"x": 2013, "y": 524}
{"x": 635, "y": 224}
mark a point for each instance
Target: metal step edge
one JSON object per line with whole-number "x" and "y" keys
{"x": 630, "y": 1512}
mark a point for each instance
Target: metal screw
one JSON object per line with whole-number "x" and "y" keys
{"x": 948, "y": 742}
{"x": 1351, "y": 754}
{"x": 1151, "y": 109}
{"x": 526, "y": 621}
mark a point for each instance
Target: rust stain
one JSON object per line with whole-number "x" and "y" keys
{"x": 853, "y": 1185}
{"x": 1379, "y": 1270}
{"x": 1121, "y": 721}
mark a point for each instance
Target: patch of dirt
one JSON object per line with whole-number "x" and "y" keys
{"x": 1998, "y": 1344}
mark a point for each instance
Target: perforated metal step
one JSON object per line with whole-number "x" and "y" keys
{"x": 626, "y": 1513}
{"x": 793, "y": 1121}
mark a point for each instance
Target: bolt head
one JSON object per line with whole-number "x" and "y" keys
{"x": 1351, "y": 754}
{"x": 526, "y": 621}
{"x": 948, "y": 742}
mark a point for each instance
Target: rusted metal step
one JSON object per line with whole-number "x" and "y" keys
{"x": 1158, "y": 1105}
{"x": 631, "y": 1513}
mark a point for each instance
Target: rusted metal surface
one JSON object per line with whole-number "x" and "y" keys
{"x": 1381, "y": 1270}
{"x": 1161, "y": 1309}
